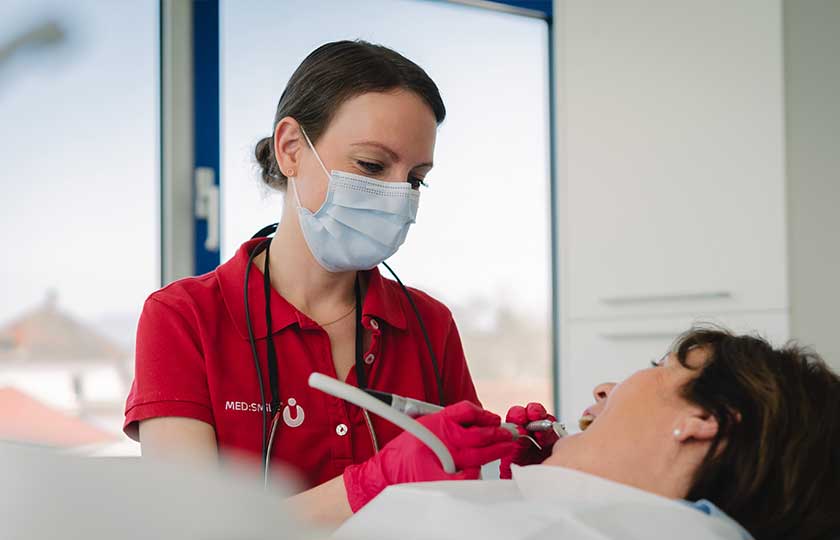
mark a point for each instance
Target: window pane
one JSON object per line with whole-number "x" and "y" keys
{"x": 78, "y": 98}
{"x": 481, "y": 242}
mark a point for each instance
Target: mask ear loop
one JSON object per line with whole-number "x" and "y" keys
{"x": 292, "y": 179}
{"x": 294, "y": 190}
{"x": 311, "y": 146}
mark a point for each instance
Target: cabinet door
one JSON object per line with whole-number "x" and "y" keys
{"x": 596, "y": 352}
{"x": 672, "y": 157}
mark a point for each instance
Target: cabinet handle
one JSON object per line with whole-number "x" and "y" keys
{"x": 677, "y": 297}
{"x": 638, "y": 336}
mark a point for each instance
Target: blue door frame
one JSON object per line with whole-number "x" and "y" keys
{"x": 206, "y": 118}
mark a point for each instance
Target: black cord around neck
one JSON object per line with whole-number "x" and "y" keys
{"x": 361, "y": 374}
{"x": 438, "y": 378}
{"x": 273, "y": 376}
{"x": 260, "y": 247}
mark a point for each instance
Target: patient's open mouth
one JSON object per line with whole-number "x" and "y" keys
{"x": 585, "y": 420}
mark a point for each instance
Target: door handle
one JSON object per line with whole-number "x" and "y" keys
{"x": 207, "y": 205}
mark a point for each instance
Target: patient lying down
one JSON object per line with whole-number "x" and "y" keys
{"x": 725, "y": 438}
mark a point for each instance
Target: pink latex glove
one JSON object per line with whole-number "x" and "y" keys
{"x": 525, "y": 453}
{"x": 471, "y": 434}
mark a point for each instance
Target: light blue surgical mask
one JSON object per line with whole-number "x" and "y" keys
{"x": 362, "y": 221}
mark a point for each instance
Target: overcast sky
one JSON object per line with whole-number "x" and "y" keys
{"x": 78, "y": 154}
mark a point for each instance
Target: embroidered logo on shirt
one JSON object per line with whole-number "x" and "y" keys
{"x": 245, "y": 406}
{"x": 299, "y": 414}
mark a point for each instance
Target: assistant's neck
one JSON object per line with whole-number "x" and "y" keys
{"x": 298, "y": 277}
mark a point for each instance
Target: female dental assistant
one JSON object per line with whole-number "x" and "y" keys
{"x": 353, "y": 140}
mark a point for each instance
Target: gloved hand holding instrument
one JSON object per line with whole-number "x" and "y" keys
{"x": 534, "y": 429}
{"x": 532, "y": 419}
{"x": 451, "y": 444}
{"x": 471, "y": 434}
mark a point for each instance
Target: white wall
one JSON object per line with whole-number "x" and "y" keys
{"x": 812, "y": 85}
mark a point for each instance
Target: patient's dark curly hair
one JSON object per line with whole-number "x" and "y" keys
{"x": 775, "y": 463}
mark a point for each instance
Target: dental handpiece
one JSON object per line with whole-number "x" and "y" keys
{"x": 416, "y": 408}
{"x": 408, "y": 406}
{"x": 545, "y": 425}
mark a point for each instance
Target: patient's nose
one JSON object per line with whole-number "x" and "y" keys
{"x": 602, "y": 391}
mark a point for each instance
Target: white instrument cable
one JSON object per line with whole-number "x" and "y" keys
{"x": 361, "y": 399}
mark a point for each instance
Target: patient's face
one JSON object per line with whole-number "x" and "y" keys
{"x": 648, "y": 400}
{"x": 644, "y": 433}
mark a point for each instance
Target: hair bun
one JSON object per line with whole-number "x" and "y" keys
{"x": 270, "y": 172}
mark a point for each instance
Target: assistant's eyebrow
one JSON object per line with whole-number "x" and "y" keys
{"x": 393, "y": 155}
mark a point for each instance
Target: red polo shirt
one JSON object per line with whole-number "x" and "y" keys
{"x": 193, "y": 360}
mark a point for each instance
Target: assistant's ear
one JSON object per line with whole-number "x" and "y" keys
{"x": 700, "y": 427}
{"x": 287, "y": 145}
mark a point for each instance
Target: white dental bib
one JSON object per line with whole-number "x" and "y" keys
{"x": 541, "y": 502}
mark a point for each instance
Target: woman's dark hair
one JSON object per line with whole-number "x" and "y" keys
{"x": 774, "y": 465}
{"x": 329, "y": 76}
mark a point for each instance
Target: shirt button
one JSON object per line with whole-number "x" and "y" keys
{"x": 341, "y": 430}
{"x": 374, "y": 324}
{"x": 369, "y": 359}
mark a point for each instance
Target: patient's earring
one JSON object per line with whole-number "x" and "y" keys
{"x": 677, "y": 433}
{"x": 290, "y": 172}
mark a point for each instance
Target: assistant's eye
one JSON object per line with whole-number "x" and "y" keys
{"x": 372, "y": 168}
{"x": 417, "y": 182}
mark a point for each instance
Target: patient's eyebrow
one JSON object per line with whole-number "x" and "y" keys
{"x": 393, "y": 155}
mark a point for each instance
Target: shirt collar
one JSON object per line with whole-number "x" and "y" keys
{"x": 710, "y": 509}
{"x": 382, "y": 301}
{"x": 231, "y": 279}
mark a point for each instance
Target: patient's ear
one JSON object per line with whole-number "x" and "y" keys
{"x": 700, "y": 427}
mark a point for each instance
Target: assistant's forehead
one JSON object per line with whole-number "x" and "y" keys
{"x": 401, "y": 119}
{"x": 391, "y": 104}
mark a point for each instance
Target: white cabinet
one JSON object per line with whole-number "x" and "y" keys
{"x": 610, "y": 351}
{"x": 672, "y": 156}
{"x": 671, "y": 179}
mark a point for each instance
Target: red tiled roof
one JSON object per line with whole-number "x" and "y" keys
{"x": 25, "y": 419}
